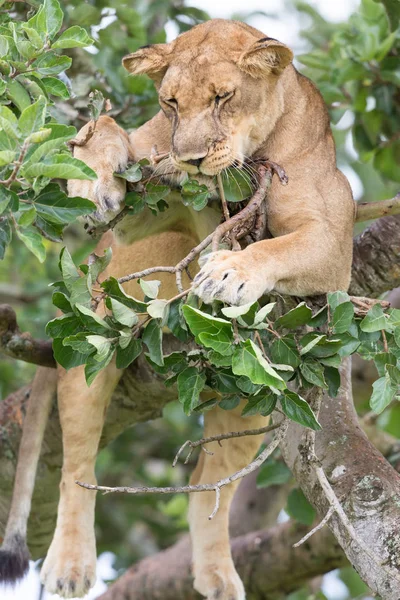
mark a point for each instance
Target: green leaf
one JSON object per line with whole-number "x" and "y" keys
{"x": 230, "y": 402}
{"x": 48, "y": 19}
{"x": 273, "y": 472}
{"x": 248, "y": 360}
{"x": 8, "y": 199}
{"x": 74, "y": 37}
{"x": 201, "y": 322}
{"x": 33, "y": 241}
{"x": 18, "y": 95}
{"x": 98, "y": 264}
{"x": 79, "y": 343}
{"x": 381, "y": 359}
{"x": 337, "y": 298}
{"x": 132, "y": 173}
{"x": 33, "y": 117}
{"x": 150, "y": 288}
{"x": 152, "y": 337}
{"x": 158, "y": 309}
{"x": 224, "y": 382}
{"x": 62, "y": 302}
{"x": 102, "y": 345}
{"x": 96, "y": 104}
{"x": 313, "y": 372}
{"x": 57, "y": 138}
{"x": 123, "y": 314}
{"x": 5, "y": 236}
{"x": 66, "y": 356}
{"x": 94, "y": 366}
{"x": 155, "y": 193}
{"x": 92, "y": 321}
{"x": 296, "y": 317}
{"x": 299, "y": 508}
{"x": 27, "y": 217}
{"x": 190, "y": 383}
{"x": 374, "y": 320}
{"x": 51, "y": 63}
{"x": 33, "y": 36}
{"x": 176, "y": 322}
{"x": 342, "y": 317}
{"x": 64, "y": 326}
{"x": 312, "y": 340}
{"x": 237, "y": 186}
{"x": 263, "y": 313}
{"x": 56, "y": 87}
{"x": 205, "y": 406}
{"x": 68, "y": 269}
{"x": 221, "y": 343}
{"x": 284, "y": 350}
{"x": 3, "y": 46}
{"x": 297, "y": 409}
{"x": 232, "y": 312}
{"x": 61, "y": 166}
{"x": 125, "y": 356}
{"x": 332, "y": 377}
{"x": 195, "y": 195}
{"x": 260, "y": 404}
{"x": 135, "y": 202}
{"x": 383, "y": 393}
{"x": 55, "y": 206}
{"x": 115, "y": 290}
{"x": 6, "y": 157}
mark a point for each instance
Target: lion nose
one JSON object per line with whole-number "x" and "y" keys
{"x": 196, "y": 162}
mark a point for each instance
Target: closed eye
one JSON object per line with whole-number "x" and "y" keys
{"x": 173, "y": 102}
{"x": 223, "y": 97}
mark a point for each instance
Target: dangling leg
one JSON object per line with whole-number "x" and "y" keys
{"x": 70, "y": 566}
{"x": 213, "y": 568}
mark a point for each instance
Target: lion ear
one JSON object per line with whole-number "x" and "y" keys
{"x": 148, "y": 60}
{"x": 265, "y": 56}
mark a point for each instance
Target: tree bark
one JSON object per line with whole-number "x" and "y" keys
{"x": 366, "y": 485}
{"x": 167, "y": 575}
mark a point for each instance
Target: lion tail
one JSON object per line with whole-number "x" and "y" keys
{"x": 14, "y": 553}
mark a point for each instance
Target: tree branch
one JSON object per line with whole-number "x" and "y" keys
{"x": 367, "y": 211}
{"x": 365, "y": 486}
{"x": 22, "y": 346}
{"x": 376, "y": 258}
{"x": 167, "y": 575}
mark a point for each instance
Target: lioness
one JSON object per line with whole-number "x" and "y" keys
{"x": 227, "y": 93}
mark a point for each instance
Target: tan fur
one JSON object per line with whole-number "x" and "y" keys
{"x": 265, "y": 110}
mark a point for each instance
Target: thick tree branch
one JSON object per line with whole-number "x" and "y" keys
{"x": 268, "y": 551}
{"x": 365, "y": 484}
{"x": 22, "y": 346}
{"x": 376, "y": 260}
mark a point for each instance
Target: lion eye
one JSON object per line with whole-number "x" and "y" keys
{"x": 221, "y": 97}
{"x": 171, "y": 102}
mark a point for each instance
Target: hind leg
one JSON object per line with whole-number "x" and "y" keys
{"x": 214, "y": 573}
{"x": 70, "y": 565}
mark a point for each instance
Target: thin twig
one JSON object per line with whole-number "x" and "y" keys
{"x": 205, "y": 487}
{"x": 219, "y": 438}
{"x": 316, "y": 528}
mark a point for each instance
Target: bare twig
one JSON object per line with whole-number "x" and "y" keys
{"x": 219, "y": 438}
{"x": 84, "y": 140}
{"x": 316, "y": 528}
{"x": 206, "y": 487}
{"x": 367, "y": 211}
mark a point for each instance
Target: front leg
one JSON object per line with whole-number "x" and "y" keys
{"x": 108, "y": 151}
{"x": 214, "y": 573}
{"x": 306, "y": 262}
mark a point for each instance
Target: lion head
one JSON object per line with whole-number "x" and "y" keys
{"x": 219, "y": 86}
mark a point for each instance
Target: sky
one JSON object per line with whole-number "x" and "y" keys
{"x": 285, "y": 26}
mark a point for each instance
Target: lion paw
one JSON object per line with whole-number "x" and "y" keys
{"x": 219, "y": 583}
{"x": 231, "y": 277}
{"x": 70, "y": 567}
{"x": 107, "y": 192}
